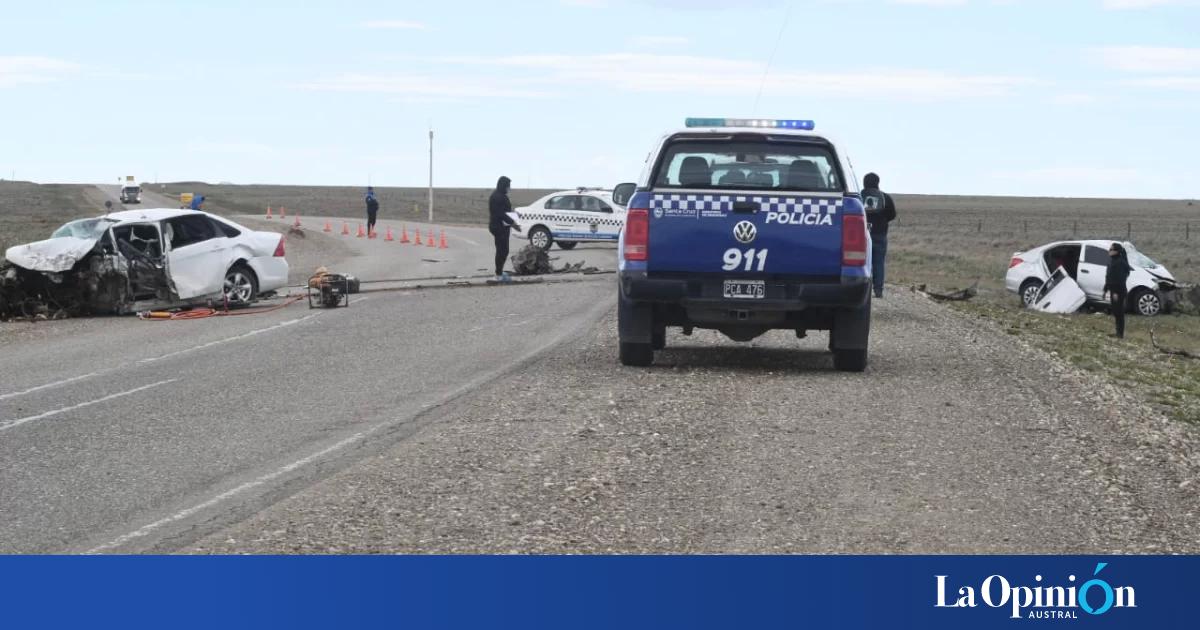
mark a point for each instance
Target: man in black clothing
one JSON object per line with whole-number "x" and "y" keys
{"x": 1115, "y": 284}
{"x": 500, "y": 224}
{"x": 372, "y": 210}
{"x": 881, "y": 211}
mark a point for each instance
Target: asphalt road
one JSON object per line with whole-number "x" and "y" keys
{"x": 119, "y": 435}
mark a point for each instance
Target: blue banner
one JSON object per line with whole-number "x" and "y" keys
{"x": 598, "y": 592}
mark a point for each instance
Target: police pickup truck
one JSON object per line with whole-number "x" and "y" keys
{"x": 744, "y": 226}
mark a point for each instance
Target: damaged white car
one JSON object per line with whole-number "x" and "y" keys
{"x": 136, "y": 260}
{"x": 1151, "y": 287}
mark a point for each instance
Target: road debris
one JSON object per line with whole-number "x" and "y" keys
{"x": 960, "y": 295}
{"x": 533, "y": 260}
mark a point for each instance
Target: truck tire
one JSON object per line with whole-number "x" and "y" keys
{"x": 636, "y": 354}
{"x": 850, "y": 360}
{"x": 658, "y": 339}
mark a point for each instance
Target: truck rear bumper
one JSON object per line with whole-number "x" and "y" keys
{"x": 781, "y": 294}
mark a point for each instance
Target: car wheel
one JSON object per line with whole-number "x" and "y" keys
{"x": 540, "y": 238}
{"x": 1029, "y": 291}
{"x": 241, "y": 285}
{"x": 1146, "y": 302}
{"x": 636, "y": 354}
{"x": 567, "y": 244}
{"x": 850, "y": 360}
{"x": 658, "y": 338}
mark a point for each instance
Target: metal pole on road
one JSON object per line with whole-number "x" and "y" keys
{"x": 431, "y": 174}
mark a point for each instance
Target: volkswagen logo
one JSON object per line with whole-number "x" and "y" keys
{"x": 745, "y": 232}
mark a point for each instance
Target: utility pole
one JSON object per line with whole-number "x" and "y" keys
{"x": 431, "y": 173}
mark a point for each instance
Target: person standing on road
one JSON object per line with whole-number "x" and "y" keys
{"x": 372, "y": 209}
{"x": 881, "y": 211}
{"x": 1115, "y": 285}
{"x": 500, "y": 224}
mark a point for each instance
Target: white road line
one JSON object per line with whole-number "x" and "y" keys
{"x": 4, "y": 426}
{"x": 182, "y": 514}
{"x": 48, "y": 386}
{"x": 290, "y": 322}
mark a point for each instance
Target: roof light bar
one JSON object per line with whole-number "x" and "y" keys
{"x": 759, "y": 123}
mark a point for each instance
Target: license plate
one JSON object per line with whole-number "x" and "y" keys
{"x": 745, "y": 289}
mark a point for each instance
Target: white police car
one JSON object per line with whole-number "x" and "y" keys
{"x": 571, "y": 216}
{"x": 745, "y": 226}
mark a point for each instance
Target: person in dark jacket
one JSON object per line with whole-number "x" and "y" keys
{"x": 372, "y": 209}
{"x": 881, "y": 211}
{"x": 501, "y": 225}
{"x": 1115, "y": 284}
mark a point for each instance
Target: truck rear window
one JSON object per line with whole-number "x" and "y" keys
{"x": 749, "y": 165}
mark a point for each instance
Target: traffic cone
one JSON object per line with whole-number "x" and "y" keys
{"x": 404, "y": 234}
{"x": 282, "y": 212}
{"x": 389, "y": 236}
{"x": 418, "y": 233}
{"x": 297, "y": 222}
{"x": 431, "y": 242}
{"x": 361, "y": 231}
{"x": 443, "y": 245}
{"x": 269, "y": 213}
{"x": 345, "y": 229}
{"x": 328, "y": 226}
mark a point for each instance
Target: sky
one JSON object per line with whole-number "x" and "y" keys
{"x": 1090, "y": 98}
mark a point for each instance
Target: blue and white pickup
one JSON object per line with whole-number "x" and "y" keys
{"x": 745, "y": 226}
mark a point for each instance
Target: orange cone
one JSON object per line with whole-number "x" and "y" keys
{"x": 443, "y": 245}
{"x": 328, "y": 226}
{"x": 389, "y": 236}
{"x": 345, "y": 229}
{"x": 431, "y": 242}
{"x": 418, "y": 233}
{"x": 269, "y": 213}
{"x": 282, "y": 212}
{"x": 361, "y": 231}
{"x": 297, "y": 222}
{"x": 404, "y": 234}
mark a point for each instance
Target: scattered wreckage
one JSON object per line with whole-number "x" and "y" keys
{"x": 140, "y": 260}
{"x": 533, "y": 260}
{"x": 1152, "y": 288}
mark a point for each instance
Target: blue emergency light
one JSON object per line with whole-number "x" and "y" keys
{"x": 759, "y": 123}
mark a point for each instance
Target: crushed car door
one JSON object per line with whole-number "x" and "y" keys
{"x": 141, "y": 247}
{"x": 196, "y": 256}
{"x": 1059, "y": 295}
{"x": 1093, "y": 266}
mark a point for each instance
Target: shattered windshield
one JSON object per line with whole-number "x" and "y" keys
{"x": 85, "y": 228}
{"x": 1138, "y": 259}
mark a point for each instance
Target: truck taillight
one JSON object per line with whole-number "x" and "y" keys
{"x": 279, "y": 248}
{"x": 637, "y": 234}
{"x": 854, "y": 240}
{"x": 1014, "y": 262}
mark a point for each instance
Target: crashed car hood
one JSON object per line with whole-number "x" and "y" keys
{"x": 53, "y": 255}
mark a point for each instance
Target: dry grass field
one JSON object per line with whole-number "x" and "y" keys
{"x": 29, "y": 212}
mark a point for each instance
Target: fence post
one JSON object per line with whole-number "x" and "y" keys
{"x": 1128, "y": 231}
{"x": 1027, "y": 227}
{"x": 1075, "y": 230}
{"x": 980, "y": 230}
{"x": 1187, "y": 231}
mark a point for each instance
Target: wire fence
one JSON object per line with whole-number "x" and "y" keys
{"x": 1054, "y": 228}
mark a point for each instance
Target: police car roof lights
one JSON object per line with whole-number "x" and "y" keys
{"x": 758, "y": 123}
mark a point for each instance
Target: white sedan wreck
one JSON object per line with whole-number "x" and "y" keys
{"x": 137, "y": 260}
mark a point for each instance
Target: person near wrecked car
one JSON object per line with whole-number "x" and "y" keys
{"x": 372, "y": 209}
{"x": 1115, "y": 285}
{"x": 197, "y": 202}
{"x": 881, "y": 211}
{"x": 500, "y": 224}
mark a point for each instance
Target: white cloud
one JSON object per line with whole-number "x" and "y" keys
{"x": 1150, "y": 59}
{"x": 651, "y": 41}
{"x": 1146, "y": 4}
{"x": 1071, "y": 100}
{"x": 395, "y": 24}
{"x": 1191, "y": 84}
{"x": 20, "y": 70}
{"x": 422, "y": 87}
{"x": 932, "y": 3}
{"x": 645, "y": 72}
